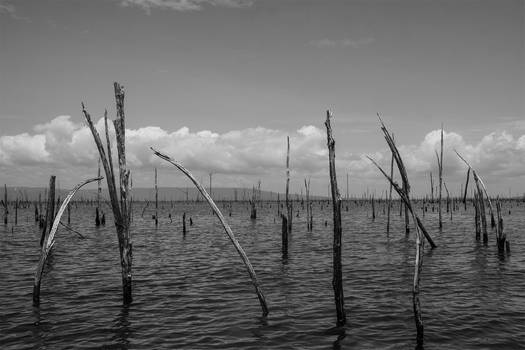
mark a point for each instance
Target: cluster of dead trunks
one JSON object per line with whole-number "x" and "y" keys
{"x": 120, "y": 199}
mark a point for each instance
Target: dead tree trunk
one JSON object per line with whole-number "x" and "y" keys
{"x": 50, "y": 210}
{"x": 477, "y": 216}
{"x": 390, "y": 194}
{"x": 49, "y": 239}
{"x": 156, "y": 200}
{"x": 289, "y": 206}
{"x": 337, "y": 280}
{"x": 440, "y": 180}
{"x": 6, "y": 211}
{"x": 405, "y": 197}
{"x": 465, "y": 193}
{"x": 99, "y": 190}
{"x": 309, "y": 215}
{"x": 227, "y": 228}
{"x": 120, "y": 206}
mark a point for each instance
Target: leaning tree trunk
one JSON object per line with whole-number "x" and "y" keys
{"x": 49, "y": 239}
{"x": 337, "y": 280}
{"x": 226, "y": 227}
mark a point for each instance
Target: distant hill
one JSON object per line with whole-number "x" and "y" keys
{"x": 148, "y": 194}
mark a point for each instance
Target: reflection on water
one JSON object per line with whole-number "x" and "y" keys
{"x": 192, "y": 291}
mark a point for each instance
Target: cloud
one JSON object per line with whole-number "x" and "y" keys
{"x": 67, "y": 147}
{"x": 185, "y": 5}
{"x": 6, "y": 7}
{"x": 331, "y": 43}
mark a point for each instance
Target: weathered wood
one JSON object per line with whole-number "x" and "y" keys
{"x": 405, "y": 196}
{"x": 289, "y": 205}
{"x": 120, "y": 205}
{"x": 390, "y": 193}
{"x": 6, "y": 211}
{"x": 50, "y": 210}
{"x": 49, "y": 240}
{"x": 227, "y": 228}
{"x": 466, "y": 188}
{"x": 284, "y": 236}
{"x": 156, "y": 200}
{"x": 184, "y": 224}
{"x": 440, "y": 180}
{"x": 337, "y": 279}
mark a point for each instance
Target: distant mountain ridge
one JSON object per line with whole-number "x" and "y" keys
{"x": 148, "y": 194}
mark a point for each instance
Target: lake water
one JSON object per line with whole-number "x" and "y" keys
{"x": 193, "y": 292}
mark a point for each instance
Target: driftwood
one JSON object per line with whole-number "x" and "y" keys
{"x": 337, "y": 280}
{"x": 227, "y": 228}
{"x": 120, "y": 206}
{"x": 49, "y": 240}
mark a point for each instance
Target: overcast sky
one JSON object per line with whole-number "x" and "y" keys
{"x": 219, "y": 84}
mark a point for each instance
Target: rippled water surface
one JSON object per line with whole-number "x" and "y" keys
{"x": 193, "y": 292}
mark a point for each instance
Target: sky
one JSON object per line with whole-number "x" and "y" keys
{"x": 219, "y": 84}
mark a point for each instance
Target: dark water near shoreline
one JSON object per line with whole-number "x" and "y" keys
{"x": 193, "y": 292}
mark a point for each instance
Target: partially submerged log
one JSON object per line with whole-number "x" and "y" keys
{"x": 227, "y": 228}
{"x": 49, "y": 240}
{"x": 337, "y": 279}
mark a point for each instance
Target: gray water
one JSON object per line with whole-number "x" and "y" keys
{"x": 193, "y": 292}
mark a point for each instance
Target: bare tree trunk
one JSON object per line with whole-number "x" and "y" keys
{"x": 120, "y": 206}
{"x": 6, "y": 211}
{"x": 390, "y": 194}
{"x": 156, "y": 200}
{"x": 289, "y": 206}
{"x": 477, "y": 216}
{"x": 227, "y": 228}
{"x": 440, "y": 179}
{"x": 337, "y": 280}
{"x": 52, "y": 223}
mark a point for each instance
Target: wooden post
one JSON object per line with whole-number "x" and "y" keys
{"x": 120, "y": 206}
{"x": 337, "y": 280}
